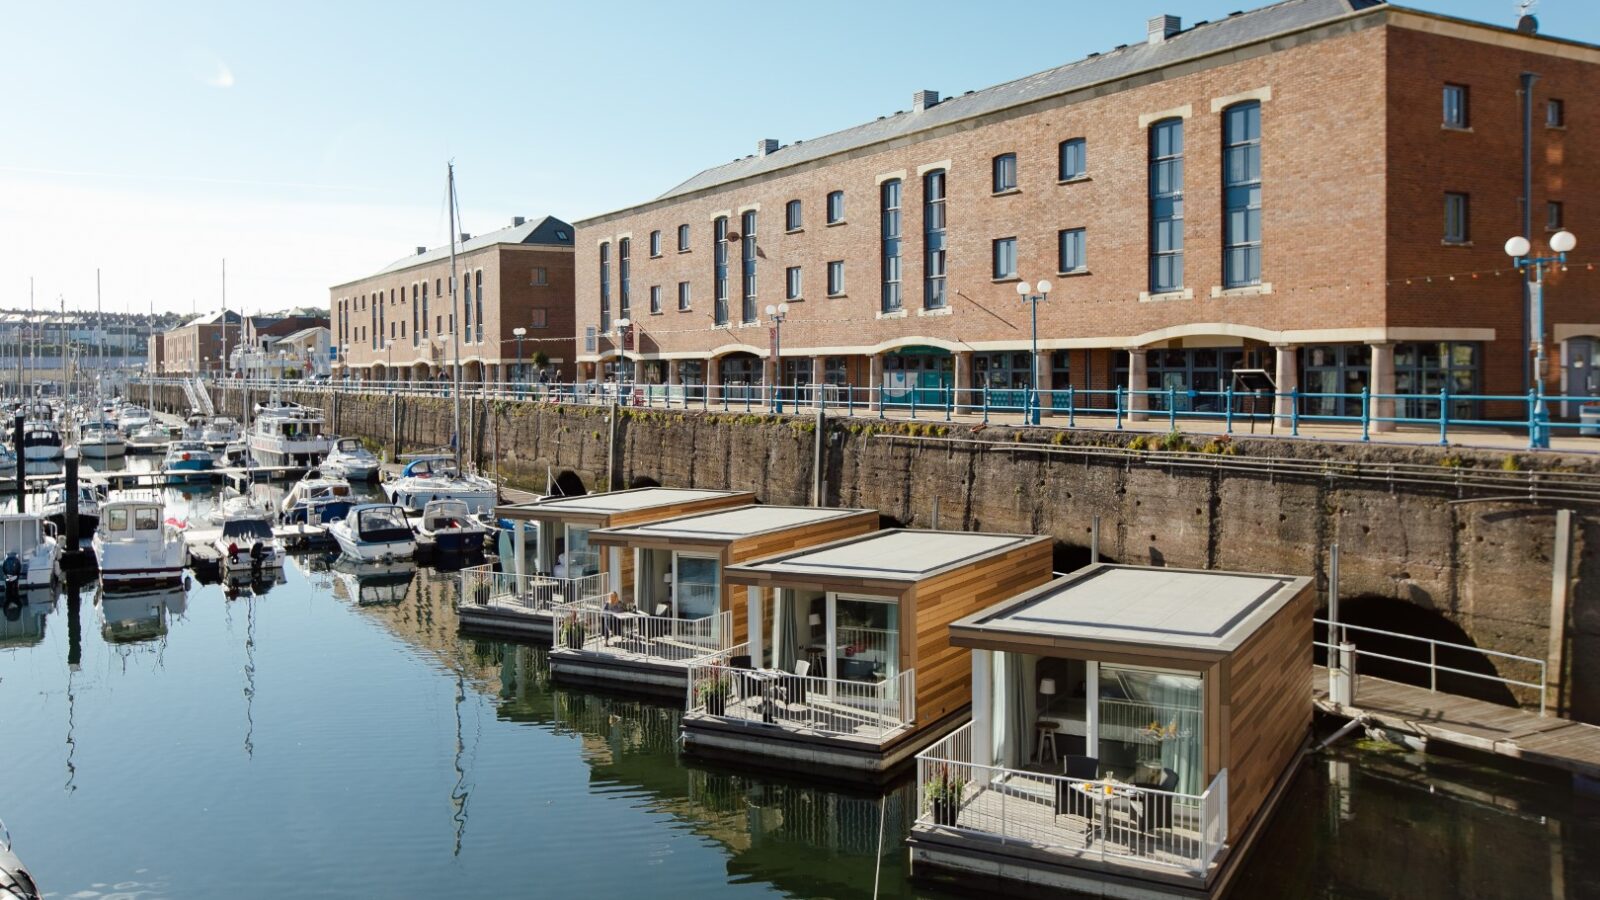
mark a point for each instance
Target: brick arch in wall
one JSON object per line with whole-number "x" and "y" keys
{"x": 901, "y": 343}
{"x": 1207, "y": 329}
{"x": 727, "y": 349}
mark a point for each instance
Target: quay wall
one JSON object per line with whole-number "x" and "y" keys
{"x": 1479, "y": 567}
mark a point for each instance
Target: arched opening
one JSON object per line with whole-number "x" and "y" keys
{"x": 1401, "y": 617}
{"x": 740, "y": 375}
{"x": 568, "y": 484}
{"x": 643, "y": 481}
{"x": 1065, "y": 557}
{"x": 920, "y": 374}
{"x": 886, "y": 521}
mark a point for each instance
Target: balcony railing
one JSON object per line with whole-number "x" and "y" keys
{"x": 485, "y": 586}
{"x": 858, "y": 709}
{"x": 1101, "y": 820}
{"x": 585, "y": 626}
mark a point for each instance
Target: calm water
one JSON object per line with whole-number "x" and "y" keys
{"x": 332, "y": 735}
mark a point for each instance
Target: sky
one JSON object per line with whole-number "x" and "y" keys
{"x": 306, "y": 143}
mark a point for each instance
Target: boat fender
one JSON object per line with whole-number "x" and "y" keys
{"x": 233, "y": 553}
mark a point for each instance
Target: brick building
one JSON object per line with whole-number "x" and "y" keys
{"x": 396, "y": 323}
{"x": 1289, "y": 189}
{"x": 197, "y": 345}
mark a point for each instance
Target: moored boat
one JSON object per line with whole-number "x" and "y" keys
{"x": 430, "y": 478}
{"x": 375, "y": 532}
{"x": 351, "y": 460}
{"x": 453, "y": 530}
{"x": 134, "y": 547}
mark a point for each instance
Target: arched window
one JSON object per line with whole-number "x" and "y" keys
{"x": 792, "y": 220}
{"x": 1166, "y": 206}
{"x": 1241, "y": 194}
{"x": 478, "y": 290}
{"x": 1005, "y": 172}
{"x": 747, "y": 253}
{"x": 933, "y": 244}
{"x": 719, "y": 255}
{"x": 605, "y": 285}
{"x": 889, "y": 197}
{"x": 624, "y": 279}
{"x": 466, "y": 289}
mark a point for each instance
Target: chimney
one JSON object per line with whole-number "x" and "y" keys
{"x": 517, "y": 220}
{"x": 921, "y": 100}
{"x": 465, "y": 237}
{"x": 1162, "y": 27}
{"x": 766, "y": 146}
{"x": 421, "y": 250}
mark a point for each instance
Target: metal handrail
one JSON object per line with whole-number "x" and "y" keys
{"x": 1432, "y": 663}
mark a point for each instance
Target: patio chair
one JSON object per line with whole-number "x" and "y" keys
{"x": 1069, "y": 801}
{"x": 1155, "y": 810}
{"x": 796, "y": 689}
{"x": 739, "y": 662}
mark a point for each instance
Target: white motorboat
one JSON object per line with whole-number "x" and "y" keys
{"x": 221, "y": 431}
{"x": 41, "y": 441}
{"x": 317, "y": 499}
{"x": 54, "y": 507}
{"x": 453, "y": 529}
{"x": 29, "y": 541}
{"x": 151, "y": 437}
{"x": 247, "y": 542}
{"x": 8, "y": 462}
{"x": 430, "y": 478}
{"x": 350, "y": 459}
{"x": 374, "y": 532}
{"x": 101, "y": 440}
{"x": 133, "y": 418}
{"x": 288, "y": 435}
{"x": 134, "y": 547}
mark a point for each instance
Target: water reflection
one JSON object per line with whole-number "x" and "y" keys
{"x": 131, "y": 617}
{"x": 22, "y": 622}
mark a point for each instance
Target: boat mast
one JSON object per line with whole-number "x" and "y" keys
{"x": 455, "y": 319}
{"x": 224, "y": 366}
{"x": 151, "y": 380}
{"x": 100, "y": 329}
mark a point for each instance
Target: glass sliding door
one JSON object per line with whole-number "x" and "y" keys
{"x": 696, "y": 586}
{"x": 864, "y": 638}
{"x": 1150, "y": 727}
{"x": 579, "y": 557}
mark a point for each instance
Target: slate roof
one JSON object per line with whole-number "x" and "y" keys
{"x": 548, "y": 230}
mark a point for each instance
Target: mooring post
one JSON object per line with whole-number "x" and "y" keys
{"x": 1094, "y": 539}
{"x": 817, "y": 456}
{"x": 72, "y": 553}
{"x": 22, "y": 464}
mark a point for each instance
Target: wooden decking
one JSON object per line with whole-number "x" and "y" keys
{"x": 1465, "y": 722}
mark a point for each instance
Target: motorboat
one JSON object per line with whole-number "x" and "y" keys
{"x": 430, "y": 478}
{"x": 247, "y": 542}
{"x": 29, "y": 552}
{"x": 186, "y": 457}
{"x": 41, "y": 441}
{"x": 374, "y": 532}
{"x": 134, "y": 547}
{"x": 133, "y": 418}
{"x": 151, "y": 437}
{"x": 317, "y": 499}
{"x": 373, "y": 583}
{"x": 130, "y": 617}
{"x": 54, "y": 507}
{"x": 100, "y": 439}
{"x": 8, "y": 462}
{"x": 221, "y": 431}
{"x": 194, "y": 428}
{"x": 288, "y": 434}
{"x": 350, "y": 459}
{"x": 453, "y": 530}
{"x": 15, "y": 881}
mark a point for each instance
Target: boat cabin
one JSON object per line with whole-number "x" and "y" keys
{"x": 556, "y": 563}
{"x": 426, "y": 467}
{"x": 680, "y": 608}
{"x": 850, "y": 672}
{"x": 1136, "y": 723}
{"x": 379, "y": 524}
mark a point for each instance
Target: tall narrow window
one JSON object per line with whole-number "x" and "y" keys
{"x": 655, "y": 299}
{"x": 372, "y": 324}
{"x": 835, "y": 207}
{"x": 424, "y": 309}
{"x": 792, "y": 216}
{"x": 465, "y": 298}
{"x": 683, "y": 295}
{"x": 1071, "y": 252}
{"x": 747, "y": 256}
{"x": 1005, "y": 257}
{"x": 1555, "y": 113}
{"x": 1166, "y": 206}
{"x": 624, "y": 281}
{"x": 1553, "y": 218}
{"x": 416, "y": 314}
{"x": 836, "y": 278}
{"x": 719, "y": 238}
{"x": 933, "y": 243}
{"x": 890, "y": 199}
{"x": 655, "y": 243}
{"x": 791, "y": 283}
{"x": 683, "y": 239}
{"x": 478, "y": 299}
{"x": 1455, "y": 219}
{"x": 605, "y": 286}
{"x": 1455, "y": 106}
{"x": 1074, "y": 159}
{"x": 1005, "y": 172}
{"x": 1241, "y": 195}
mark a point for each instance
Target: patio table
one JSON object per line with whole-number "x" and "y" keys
{"x": 1104, "y": 795}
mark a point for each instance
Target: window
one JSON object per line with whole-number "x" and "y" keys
{"x": 1455, "y": 219}
{"x": 1241, "y": 195}
{"x": 835, "y": 207}
{"x": 1555, "y": 113}
{"x": 540, "y": 277}
{"x": 655, "y": 299}
{"x": 1552, "y": 215}
{"x": 424, "y": 309}
{"x": 933, "y": 242}
{"x": 478, "y": 299}
{"x": 1005, "y": 258}
{"x": 791, "y": 216}
{"x": 719, "y": 238}
{"x": 791, "y": 280}
{"x": 836, "y": 278}
{"x": 683, "y": 295}
{"x": 747, "y": 256}
{"x": 655, "y": 243}
{"x": 1070, "y": 254}
{"x": 605, "y": 286}
{"x": 1005, "y": 172}
{"x": 1166, "y": 206}
{"x": 889, "y": 200}
{"x": 624, "y": 282}
{"x": 1074, "y": 159}
{"x": 683, "y": 239}
{"x": 1455, "y": 106}
{"x": 416, "y": 313}
{"x": 540, "y": 318}
{"x": 1426, "y": 368}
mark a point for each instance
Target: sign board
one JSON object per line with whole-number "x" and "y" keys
{"x": 627, "y": 337}
{"x": 772, "y": 342}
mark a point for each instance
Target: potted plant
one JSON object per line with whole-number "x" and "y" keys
{"x": 713, "y": 693}
{"x": 572, "y": 633}
{"x": 944, "y": 795}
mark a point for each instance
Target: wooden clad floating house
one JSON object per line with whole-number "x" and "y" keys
{"x": 679, "y": 607}
{"x": 1131, "y": 728}
{"x": 552, "y": 562}
{"x": 847, "y": 670}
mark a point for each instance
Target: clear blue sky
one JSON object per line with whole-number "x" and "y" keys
{"x": 306, "y": 142}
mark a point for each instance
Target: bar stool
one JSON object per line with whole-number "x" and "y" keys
{"x": 1045, "y": 735}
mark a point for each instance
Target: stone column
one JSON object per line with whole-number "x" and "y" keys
{"x": 819, "y": 375}
{"x": 674, "y": 372}
{"x": 875, "y": 381}
{"x": 771, "y": 377}
{"x": 1138, "y": 380}
{"x": 965, "y": 399}
{"x": 1287, "y": 376}
{"x": 1046, "y": 376}
{"x": 1380, "y": 380}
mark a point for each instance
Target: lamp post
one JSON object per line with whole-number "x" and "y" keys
{"x": 1518, "y": 249}
{"x": 622, "y": 349}
{"x": 521, "y": 375}
{"x": 777, "y": 314}
{"x": 1025, "y": 291}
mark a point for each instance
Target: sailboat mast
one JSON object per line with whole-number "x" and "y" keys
{"x": 455, "y": 318}
{"x": 224, "y": 366}
{"x": 99, "y": 329}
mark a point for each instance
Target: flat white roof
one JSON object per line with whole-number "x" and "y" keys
{"x": 1180, "y": 608}
{"x": 907, "y": 555}
{"x": 624, "y": 501}
{"x": 736, "y": 523}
